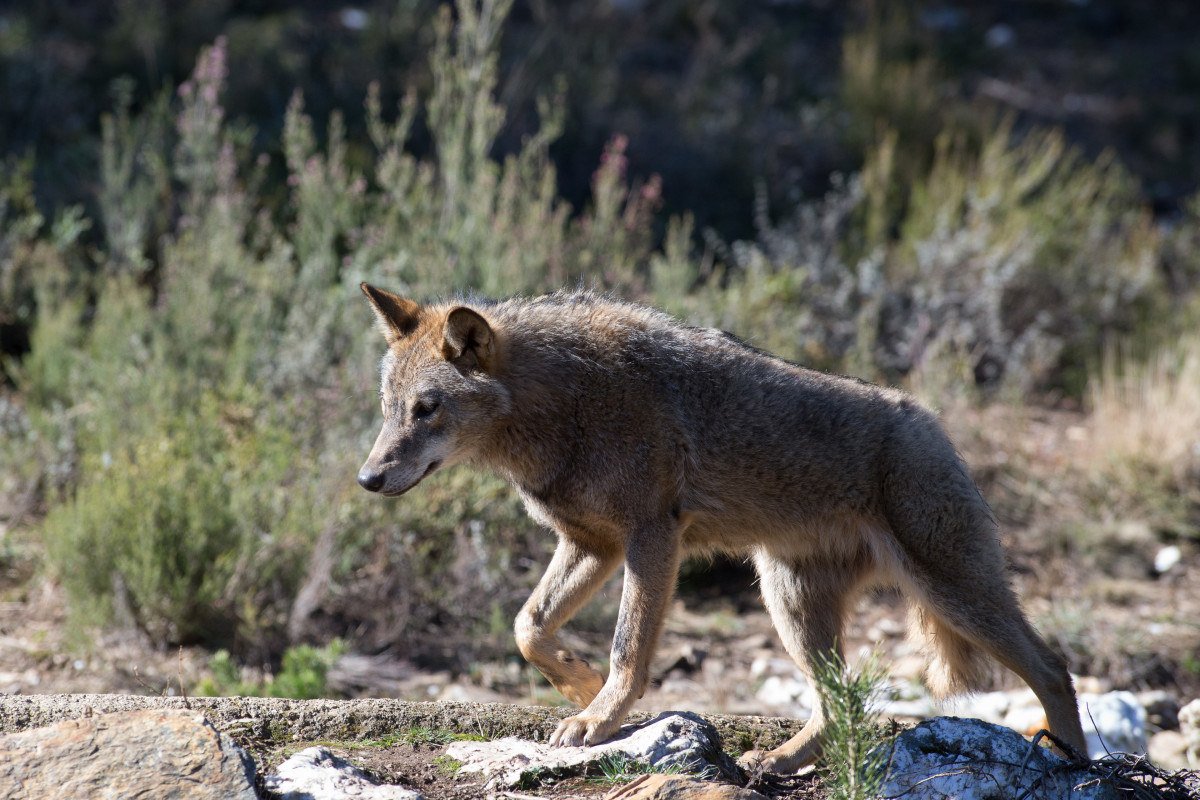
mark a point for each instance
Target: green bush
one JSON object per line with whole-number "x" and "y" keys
{"x": 183, "y": 531}
{"x": 302, "y": 675}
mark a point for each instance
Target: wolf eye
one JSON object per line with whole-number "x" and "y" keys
{"x": 424, "y": 408}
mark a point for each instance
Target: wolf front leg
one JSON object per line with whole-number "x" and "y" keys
{"x": 574, "y": 575}
{"x": 651, "y": 566}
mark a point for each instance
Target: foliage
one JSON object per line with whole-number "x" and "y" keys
{"x": 618, "y": 767}
{"x": 301, "y": 675}
{"x": 856, "y": 749}
{"x": 988, "y": 282}
{"x": 1145, "y": 452}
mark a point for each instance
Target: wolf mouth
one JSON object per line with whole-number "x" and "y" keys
{"x": 428, "y": 471}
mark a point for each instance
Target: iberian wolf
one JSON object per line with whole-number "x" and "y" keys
{"x": 641, "y": 440}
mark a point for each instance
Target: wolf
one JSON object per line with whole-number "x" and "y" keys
{"x": 640, "y": 440}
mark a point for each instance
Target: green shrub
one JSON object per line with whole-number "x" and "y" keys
{"x": 302, "y": 675}
{"x": 856, "y": 750}
{"x": 163, "y": 531}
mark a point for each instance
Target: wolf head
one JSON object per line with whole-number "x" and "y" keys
{"x": 438, "y": 391}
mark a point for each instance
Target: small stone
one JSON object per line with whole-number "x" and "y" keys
{"x": 772, "y": 665}
{"x": 1166, "y": 558}
{"x": 317, "y": 774}
{"x": 1000, "y": 36}
{"x": 918, "y": 708}
{"x": 675, "y": 787}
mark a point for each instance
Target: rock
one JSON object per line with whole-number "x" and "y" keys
{"x": 968, "y": 759}
{"x": 1113, "y": 719}
{"x": 317, "y": 774}
{"x": 133, "y": 755}
{"x": 1166, "y": 558}
{"x": 1018, "y": 709}
{"x": 1168, "y": 749}
{"x": 280, "y": 720}
{"x": 1189, "y": 727}
{"x": 793, "y": 694}
{"x": 465, "y": 693}
{"x": 919, "y": 708}
{"x": 773, "y": 665}
{"x": 1114, "y": 722}
{"x": 676, "y": 787}
{"x": 672, "y": 740}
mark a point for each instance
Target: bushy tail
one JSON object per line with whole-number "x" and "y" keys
{"x": 956, "y": 664}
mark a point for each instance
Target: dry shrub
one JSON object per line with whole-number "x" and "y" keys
{"x": 1144, "y": 444}
{"x": 1147, "y": 414}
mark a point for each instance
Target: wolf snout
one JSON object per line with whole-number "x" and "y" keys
{"x": 371, "y": 480}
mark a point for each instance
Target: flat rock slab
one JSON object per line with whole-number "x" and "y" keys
{"x": 278, "y": 721}
{"x": 317, "y": 774}
{"x": 968, "y": 759}
{"x": 675, "y": 787}
{"x": 134, "y": 755}
{"x": 682, "y": 742}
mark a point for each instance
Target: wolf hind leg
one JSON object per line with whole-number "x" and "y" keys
{"x": 807, "y": 605}
{"x": 967, "y": 613}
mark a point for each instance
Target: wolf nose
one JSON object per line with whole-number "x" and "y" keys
{"x": 371, "y": 481}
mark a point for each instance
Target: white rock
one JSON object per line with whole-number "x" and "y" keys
{"x": 1166, "y": 558}
{"x": 770, "y": 665}
{"x": 1189, "y": 727}
{"x": 918, "y": 708}
{"x": 317, "y": 774}
{"x": 987, "y": 706}
{"x": 968, "y": 759}
{"x": 1114, "y": 722}
{"x": 1018, "y": 709}
{"x": 780, "y": 692}
{"x": 672, "y": 740}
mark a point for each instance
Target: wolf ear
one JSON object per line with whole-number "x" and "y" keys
{"x": 395, "y": 316}
{"x": 468, "y": 338}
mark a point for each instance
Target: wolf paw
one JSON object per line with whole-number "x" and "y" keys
{"x": 779, "y": 762}
{"x": 753, "y": 761}
{"x": 582, "y": 730}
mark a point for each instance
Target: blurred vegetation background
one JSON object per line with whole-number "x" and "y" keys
{"x": 991, "y": 206}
